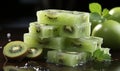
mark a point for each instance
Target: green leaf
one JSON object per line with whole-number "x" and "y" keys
{"x": 105, "y": 12}
{"x": 102, "y": 55}
{"x": 95, "y": 7}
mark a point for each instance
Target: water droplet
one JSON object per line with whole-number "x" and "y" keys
{"x": 8, "y": 35}
{"x": 9, "y": 40}
{"x": 0, "y": 47}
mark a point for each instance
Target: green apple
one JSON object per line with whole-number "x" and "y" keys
{"x": 110, "y": 32}
{"x": 115, "y": 14}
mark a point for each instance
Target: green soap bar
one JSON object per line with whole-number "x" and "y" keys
{"x": 34, "y": 28}
{"x": 66, "y": 58}
{"x": 31, "y": 40}
{"x": 62, "y": 17}
{"x": 47, "y": 31}
{"x": 41, "y": 30}
{"x": 80, "y": 44}
{"x": 50, "y": 43}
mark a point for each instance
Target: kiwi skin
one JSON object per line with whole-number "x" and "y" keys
{"x": 11, "y": 57}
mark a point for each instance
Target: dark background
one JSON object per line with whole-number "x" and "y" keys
{"x": 18, "y": 13}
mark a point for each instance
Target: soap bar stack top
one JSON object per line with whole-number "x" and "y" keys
{"x": 65, "y": 23}
{"x": 62, "y": 17}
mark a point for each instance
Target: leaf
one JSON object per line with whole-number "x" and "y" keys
{"x": 102, "y": 55}
{"x": 105, "y": 12}
{"x": 95, "y": 7}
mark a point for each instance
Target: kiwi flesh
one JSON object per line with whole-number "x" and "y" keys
{"x": 15, "y": 50}
{"x": 34, "y": 52}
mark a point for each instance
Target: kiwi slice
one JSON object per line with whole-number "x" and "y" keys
{"x": 34, "y": 52}
{"x": 15, "y": 49}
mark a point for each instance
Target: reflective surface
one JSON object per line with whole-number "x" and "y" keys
{"x": 7, "y": 35}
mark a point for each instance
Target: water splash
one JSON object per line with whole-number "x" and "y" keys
{"x": 9, "y": 37}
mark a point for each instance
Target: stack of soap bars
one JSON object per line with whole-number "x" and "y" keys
{"x": 66, "y": 34}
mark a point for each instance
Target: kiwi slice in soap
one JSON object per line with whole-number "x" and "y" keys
{"x": 15, "y": 50}
{"x": 34, "y": 52}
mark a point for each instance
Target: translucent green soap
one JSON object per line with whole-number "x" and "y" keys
{"x": 31, "y": 40}
{"x": 62, "y": 17}
{"x": 48, "y": 31}
{"x": 88, "y": 44}
{"x": 40, "y": 42}
{"x": 41, "y": 30}
{"x": 66, "y": 58}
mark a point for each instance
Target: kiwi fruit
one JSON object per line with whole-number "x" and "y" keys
{"x": 15, "y": 50}
{"x": 34, "y": 52}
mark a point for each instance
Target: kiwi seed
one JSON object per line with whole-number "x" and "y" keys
{"x": 68, "y": 29}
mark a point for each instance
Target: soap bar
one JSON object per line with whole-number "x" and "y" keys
{"x": 62, "y": 17}
{"x": 47, "y": 43}
{"x": 44, "y": 31}
{"x": 48, "y": 31}
{"x": 88, "y": 44}
{"x": 66, "y": 58}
